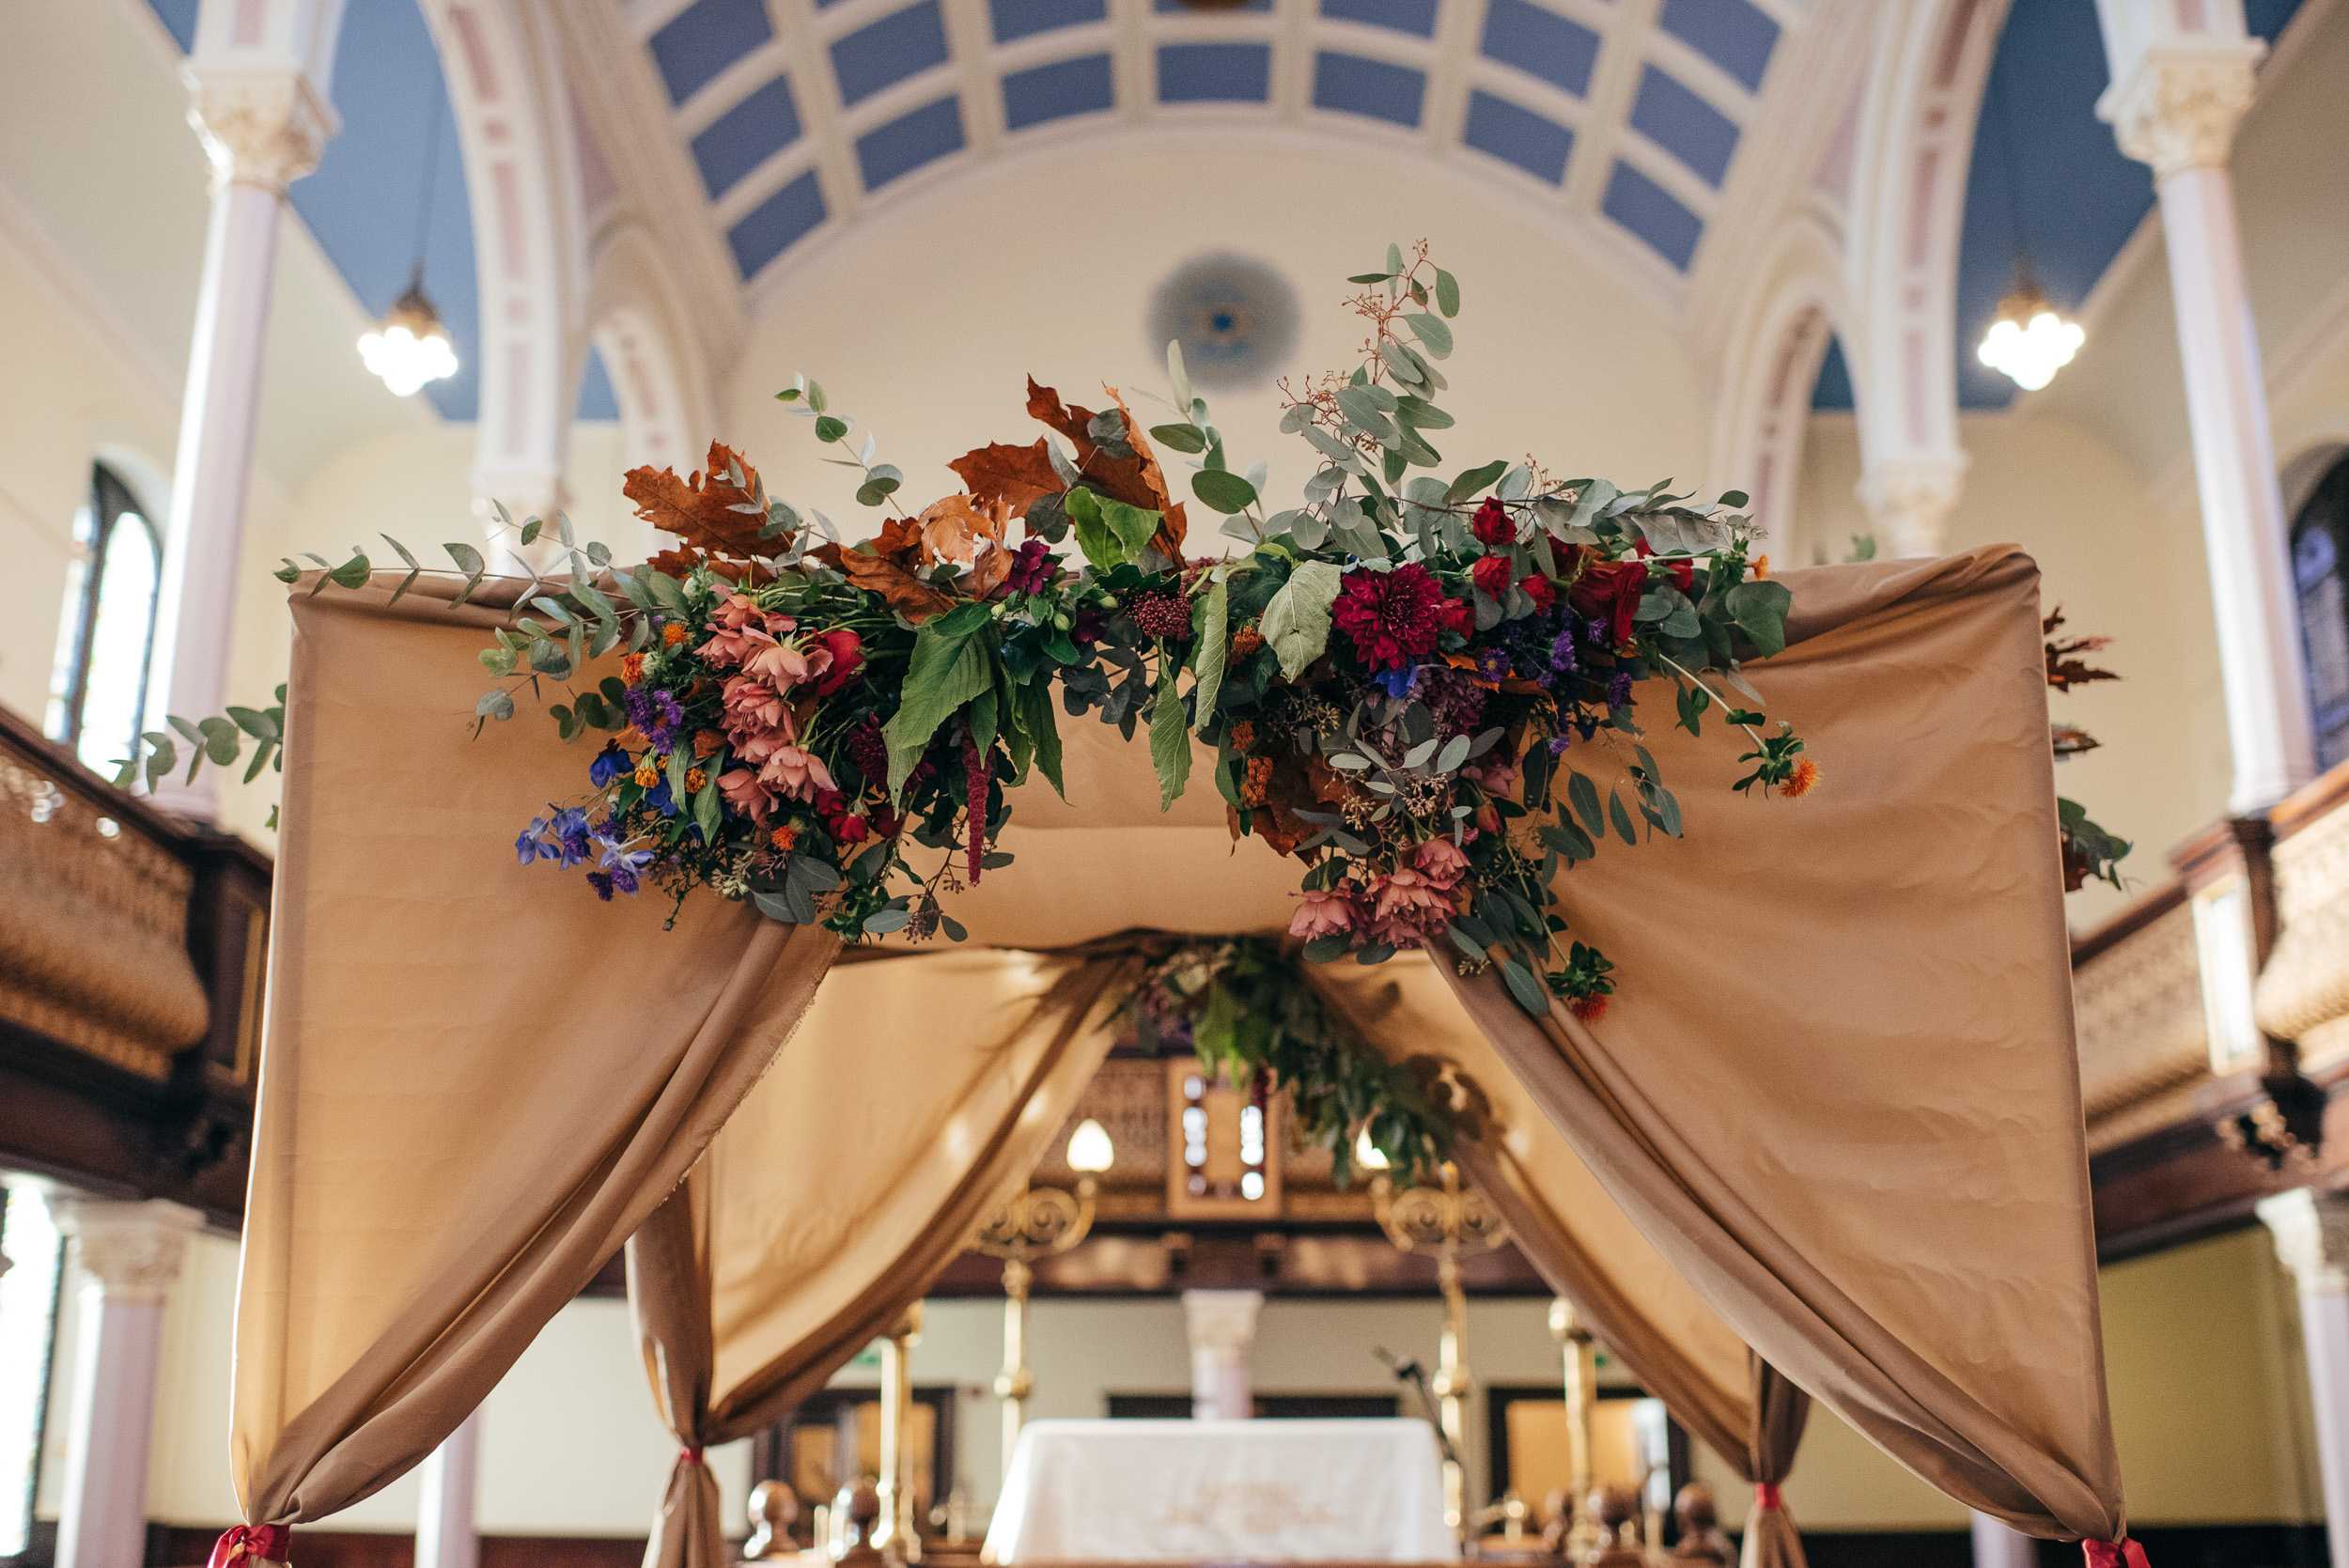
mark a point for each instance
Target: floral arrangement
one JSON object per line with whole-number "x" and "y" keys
{"x": 1239, "y": 1005}
{"x": 2090, "y": 852}
{"x": 1428, "y": 689}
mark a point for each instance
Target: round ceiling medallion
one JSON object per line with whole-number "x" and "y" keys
{"x": 1234, "y": 317}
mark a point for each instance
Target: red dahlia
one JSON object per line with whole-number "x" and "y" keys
{"x": 1160, "y": 614}
{"x": 1395, "y": 616}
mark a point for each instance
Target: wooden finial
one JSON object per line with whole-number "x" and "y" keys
{"x": 775, "y": 1510}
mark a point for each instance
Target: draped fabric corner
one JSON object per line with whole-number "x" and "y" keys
{"x": 1781, "y": 1411}
{"x": 836, "y": 1196}
{"x": 465, "y": 1109}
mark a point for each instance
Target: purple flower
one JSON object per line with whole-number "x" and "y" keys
{"x": 1619, "y": 689}
{"x": 1586, "y": 725}
{"x": 1398, "y": 681}
{"x": 623, "y": 865}
{"x": 658, "y": 799}
{"x": 603, "y": 885}
{"x": 1559, "y": 743}
{"x": 1032, "y": 569}
{"x": 530, "y": 849}
{"x": 1492, "y": 663}
{"x": 656, "y": 715}
{"x": 1594, "y": 630}
{"x": 1562, "y": 660}
{"x": 570, "y": 834}
{"x": 608, "y": 764}
{"x": 1088, "y": 629}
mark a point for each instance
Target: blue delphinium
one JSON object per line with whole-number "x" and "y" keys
{"x": 1398, "y": 682}
{"x": 608, "y": 764}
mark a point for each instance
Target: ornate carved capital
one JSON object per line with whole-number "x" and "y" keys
{"x": 2311, "y": 1231}
{"x": 133, "y": 1251}
{"x": 266, "y": 128}
{"x": 1909, "y": 501}
{"x": 2178, "y": 109}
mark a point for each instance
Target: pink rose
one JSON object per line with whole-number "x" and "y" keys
{"x": 796, "y": 771}
{"x": 787, "y": 666}
{"x": 1498, "y": 775}
{"x": 752, "y": 706}
{"x": 740, "y": 789}
{"x": 735, "y": 612}
{"x": 1321, "y": 914}
{"x": 1441, "y": 860}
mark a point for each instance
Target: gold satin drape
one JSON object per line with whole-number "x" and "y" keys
{"x": 845, "y": 1183}
{"x": 1837, "y": 1095}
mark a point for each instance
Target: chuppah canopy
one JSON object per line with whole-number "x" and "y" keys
{"x": 1841, "y": 1103}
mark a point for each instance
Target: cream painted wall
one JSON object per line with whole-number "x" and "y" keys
{"x": 921, "y": 327}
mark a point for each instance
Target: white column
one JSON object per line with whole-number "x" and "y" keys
{"x": 2173, "y": 104}
{"x": 2311, "y": 1231}
{"x": 1223, "y": 1328}
{"x": 257, "y": 77}
{"x": 1909, "y": 501}
{"x": 446, "y": 1533}
{"x": 130, "y": 1254}
{"x": 1999, "y": 1544}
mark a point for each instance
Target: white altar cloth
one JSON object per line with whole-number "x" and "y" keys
{"x": 1253, "y": 1491}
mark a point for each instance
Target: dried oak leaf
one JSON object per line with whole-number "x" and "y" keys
{"x": 950, "y": 527}
{"x": 700, "y": 511}
{"x": 684, "y": 558}
{"x": 1290, "y": 783}
{"x": 1136, "y": 480}
{"x": 900, "y": 587}
{"x": 1010, "y": 476}
{"x": 2064, "y": 670}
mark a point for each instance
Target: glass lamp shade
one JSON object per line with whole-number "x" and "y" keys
{"x": 1089, "y": 1147}
{"x": 2030, "y": 340}
{"x": 410, "y": 348}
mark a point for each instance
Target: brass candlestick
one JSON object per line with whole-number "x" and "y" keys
{"x": 894, "y": 1532}
{"x": 1581, "y": 1389}
{"x": 1038, "y": 1222}
{"x": 1444, "y": 1222}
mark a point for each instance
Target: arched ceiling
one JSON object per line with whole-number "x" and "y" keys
{"x": 1620, "y": 117}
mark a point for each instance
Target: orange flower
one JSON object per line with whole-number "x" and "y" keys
{"x": 706, "y": 741}
{"x": 632, "y": 669}
{"x": 783, "y": 838}
{"x": 672, "y": 635}
{"x": 1761, "y": 565}
{"x": 1799, "y": 783}
{"x": 694, "y": 781}
{"x": 648, "y": 774}
{"x": 1589, "y": 1009}
{"x": 1246, "y": 642}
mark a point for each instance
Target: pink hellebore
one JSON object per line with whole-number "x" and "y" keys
{"x": 752, "y": 706}
{"x": 796, "y": 771}
{"x": 1323, "y": 913}
{"x": 1496, "y": 775}
{"x": 1441, "y": 861}
{"x": 735, "y": 646}
{"x": 787, "y": 666}
{"x": 740, "y": 789}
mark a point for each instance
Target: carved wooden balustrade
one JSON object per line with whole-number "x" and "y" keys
{"x": 131, "y": 956}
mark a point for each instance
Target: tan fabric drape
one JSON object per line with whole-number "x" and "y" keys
{"x": 476, "y": 1081}
{"x": 1839, "y": 1090}
{"x": 921, "y": 1092}
{"x": 1780, "y": 1410}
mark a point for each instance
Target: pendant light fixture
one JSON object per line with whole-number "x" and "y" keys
{"x": 410, "y": 347}
{"x": 2029, "y": 340}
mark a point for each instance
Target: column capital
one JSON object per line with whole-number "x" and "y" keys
{"x": 133, "y": 1251}
{"x": 1909, "y": 501}
{"x": 2178, "y": 105}
{"x": 265, "y": 126}
{"x": 2310, "y": 1229}
{"x": 1223, "y": 1321}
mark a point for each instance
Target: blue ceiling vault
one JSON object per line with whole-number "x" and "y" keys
{"x": 1701, "y": 63}
{"x": 2077, "y": 195}
{"x": 363, "y": 202}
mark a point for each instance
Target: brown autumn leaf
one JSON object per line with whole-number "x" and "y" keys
{"x": 2064, "y": 670}
{"x": 1011, "y": 476}
{"x": 879, "y": 574}
{"x": 1136, "y": 480}
{"x": 1285, "y": 787}
{"x": 684, "y": 558}
{"x": 1168, "y": 538}
{"x": 951, "y": 525}
{"x": 700, "y": 511}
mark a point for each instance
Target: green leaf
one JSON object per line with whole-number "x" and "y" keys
{"x": 1111, "y": 533}
{"x": 494, "y": 704}
{"x": 706, "y": 811}
{"x": 1213, "y": 630}
{"x": 1178, "y": 379}
{"x": 1040, "y": 721}
{"x": 878, "y": 488}
{"x": 1226, "y": 492}
{"x": 944, "y": 673}
{"x": 1182, "y": 438}
{"x": 830, "y": 429}
{"x": 1473, "y": 480}
{"x": 260, "y": 726}
{"x": 1620, "y": 818}
{"x": 1170, "y": 741}
{"x": 1447, "y": 292}
{"x": 1760, "y": 609}
{"x": 1585, "y": 796}
{"x": 1296, "y": 624}
{"x": 1526, "y": 990}
{"x": 1431, "y": 332}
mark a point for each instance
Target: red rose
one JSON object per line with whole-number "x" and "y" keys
{"x": 1683, "y": 575}
{"x": 1493, "y": 526}
{"x": 1492, "y": 576}
{"x": 829, "y": 803}
{"x": 848, "y": 658}
{"x": 1609, "y": 591}
{"x": 847, "y": 831}
{"x": 1541, "y": 590}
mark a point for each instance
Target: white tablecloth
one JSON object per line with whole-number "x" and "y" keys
{"x": 1259, "y": 1491}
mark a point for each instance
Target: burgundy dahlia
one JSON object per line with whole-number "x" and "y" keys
{"x": 1394, "y": 618}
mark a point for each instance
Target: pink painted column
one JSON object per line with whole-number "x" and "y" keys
{"x": 257, "y": 77}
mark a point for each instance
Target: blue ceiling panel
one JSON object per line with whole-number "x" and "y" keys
{"x": 746, "y": 136}
{"x": 1215, "y": 72}
{"x": 1683, "y": 125}
{"x": 1653, "y": 213}
{"x": 179, "y": 19}
{"x": 1415, "y": 17}
{"x": 597, "y": 399}
{"x": 1065, "y": 88}
{"x": 1176, "y": 8}
{"x": 777, "y": 223}
{"x": 1354, "y": 85}
{"x": 1019, "y": 18}
{"x": 702, "y": 40}
{"x": 910, "y": 141}
{"x": 885, "y": 53}
{"x": 1536, "y": 40}
{"x": 1832, "y": 392}
{"x": 1730, "y": 32}
{"x": 1533, "y": 142}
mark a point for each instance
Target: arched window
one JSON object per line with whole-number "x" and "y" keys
{"x": 2320, "y": 548}
{"x": 98, "y": 690}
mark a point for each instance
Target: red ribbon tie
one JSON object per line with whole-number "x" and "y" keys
{"x": 251, "y": 1543}
{"x": 1765, "y": 1496}
{"x": 689, "y": 1456}
{"x": 2114, "y": 1554}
